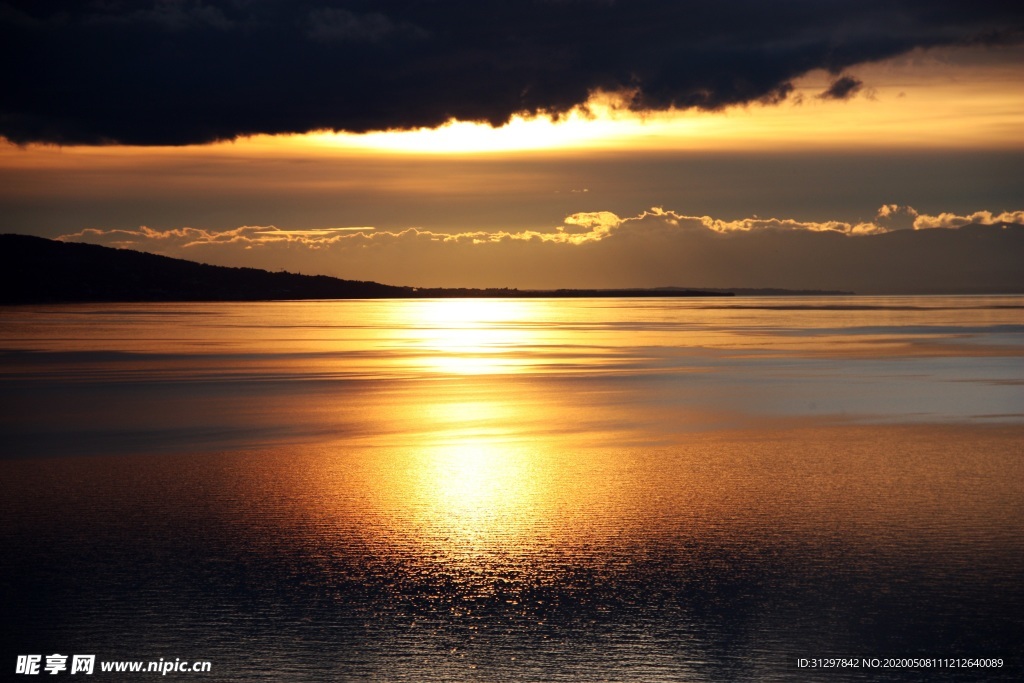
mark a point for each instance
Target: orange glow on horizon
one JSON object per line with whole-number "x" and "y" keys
{"x": 917, "y": 101}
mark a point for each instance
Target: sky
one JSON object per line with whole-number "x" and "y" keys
{"x": 866, "y": 146}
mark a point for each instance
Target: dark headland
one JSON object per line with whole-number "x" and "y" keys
{"x": 39, "y": 270}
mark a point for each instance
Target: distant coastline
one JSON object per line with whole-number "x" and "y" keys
{"x": 37, "y": 270}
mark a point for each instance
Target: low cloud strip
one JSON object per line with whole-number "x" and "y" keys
{"x": 902, "y": 250}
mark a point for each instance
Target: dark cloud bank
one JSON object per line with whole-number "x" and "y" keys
{"x": 169, "y": 72}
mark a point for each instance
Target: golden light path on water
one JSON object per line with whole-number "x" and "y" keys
{"x": 481, "y": 478}
{"x": 494, "y": 471}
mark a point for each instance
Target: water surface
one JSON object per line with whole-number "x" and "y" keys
{"x": 511, "y": 490}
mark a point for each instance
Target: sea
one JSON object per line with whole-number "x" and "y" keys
{"x": 652, "y": 489}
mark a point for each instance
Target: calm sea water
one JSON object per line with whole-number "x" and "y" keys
{"x": 520, "y": 490}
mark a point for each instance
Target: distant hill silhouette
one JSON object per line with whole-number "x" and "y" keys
{"x": 38, "y": 270}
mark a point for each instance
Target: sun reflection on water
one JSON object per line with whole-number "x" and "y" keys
{"x": 474, "y": 485}
{"x": 474, "y": 492}
{"x": 468, "y": 336}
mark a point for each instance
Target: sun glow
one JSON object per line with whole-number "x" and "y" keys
{"x": 603, "y": 118}
{"x": 917, "y": 100}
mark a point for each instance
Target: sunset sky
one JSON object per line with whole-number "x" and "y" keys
{"x": 548, "y": 143}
